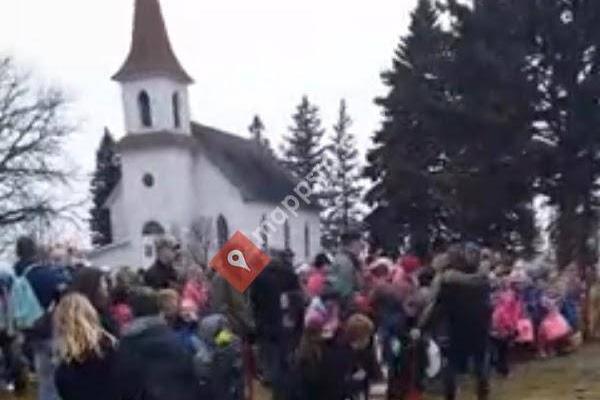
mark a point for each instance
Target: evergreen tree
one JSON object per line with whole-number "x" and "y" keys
{"x": 567, "y": 64}
{"x": 106, "y": 177}
{"x": 454, "y": 156}
{"x": 487, "y": 126}
{"x": 257, "y": 129}
{"x": 303, "y": 150}
{"x": 405, "y": 201}
{"x": 342, "y": 191}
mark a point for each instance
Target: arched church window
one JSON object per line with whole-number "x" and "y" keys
{"x": 263, "y": 232}
{"x": 145, "y": 109}
{"x": 286, "y": 234}
{"x": 176, "y": 115}
{"x": 222, "y": 230}
{"x": 306, "y": 240}
{"x": 152, "y": 228}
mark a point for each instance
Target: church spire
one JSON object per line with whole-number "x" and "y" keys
{"x": 151, "y": 52}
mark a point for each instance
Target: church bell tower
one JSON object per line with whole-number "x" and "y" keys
{"x": 153, "y": 82}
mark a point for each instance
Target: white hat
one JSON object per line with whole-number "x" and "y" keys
{"x": 382, "y": 262}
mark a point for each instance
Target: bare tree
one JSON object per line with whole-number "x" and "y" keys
{"x": 33, "y": 131}
{"x": 199, "y": 240}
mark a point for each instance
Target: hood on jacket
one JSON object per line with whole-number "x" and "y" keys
{"x": 141, "y": 324}
{"x": 211, "y": 325}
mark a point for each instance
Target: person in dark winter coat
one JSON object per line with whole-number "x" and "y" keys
{"x": 85, "y": 350}
{"x": 93, "y": 284}
{"x": 322, "y": 367}
{"x": 26, "y": 251}
{"x": 162, "y": 274}
{"x": 278, "y": 304}
{"x": 151, "y": 362}
{"x": 178, "y": 318}
{"x": 14, "y": 365}
{"x": 219, "y": 362}
{"x": 334, "y": 368}
{"x": 465, "y": 306}
{"x": 358, "y": 339}
{"x": 48, "y": 282}
{"x": 120, "y": 310}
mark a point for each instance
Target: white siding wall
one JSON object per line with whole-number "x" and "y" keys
{"x": 115, "y": 256}
{"x": 186, "y": 188}
{"x": 168, "y": 202}
{"x": 161, "y": 92}
{"x": 217, "y": 195}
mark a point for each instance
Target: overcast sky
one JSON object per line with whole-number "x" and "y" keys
{"x": 246, "y": 57}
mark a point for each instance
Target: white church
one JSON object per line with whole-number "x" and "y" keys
{"x": 176, "y": 172}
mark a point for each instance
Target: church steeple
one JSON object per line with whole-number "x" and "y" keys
{"x": 151, "y": 52}
{"x": 153, "y": 82}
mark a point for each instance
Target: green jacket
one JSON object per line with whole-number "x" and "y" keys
{"x": 344, "y": 274}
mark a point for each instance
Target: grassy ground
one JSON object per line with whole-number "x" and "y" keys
{"x": 575, "y": 377}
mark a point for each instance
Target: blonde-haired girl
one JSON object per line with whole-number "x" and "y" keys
{"x": 85, "y": 351}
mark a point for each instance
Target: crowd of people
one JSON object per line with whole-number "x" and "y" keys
{"x": 329, "y": 330}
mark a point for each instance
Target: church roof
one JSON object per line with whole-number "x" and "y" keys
{"x": 151, "y": 52}
{"x": 256, "y": 173}
{"x": 250, "y": 167}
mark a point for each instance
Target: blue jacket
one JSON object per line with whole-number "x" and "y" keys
{"x": 48, "y": 282}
